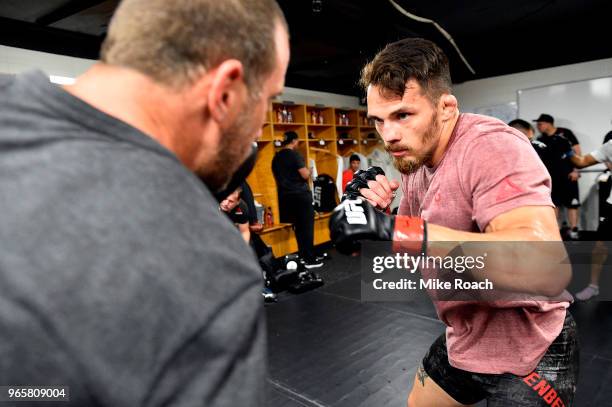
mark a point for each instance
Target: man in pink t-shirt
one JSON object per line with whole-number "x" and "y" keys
{"x": 466, "y": 178}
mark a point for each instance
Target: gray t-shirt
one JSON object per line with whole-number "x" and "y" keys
{"x": 113, "y": 280}
{"x": 603, "y": 154}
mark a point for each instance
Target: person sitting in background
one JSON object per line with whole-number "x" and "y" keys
{"x": 604, "y": 231}
{"x": 247, "y": 196}
{"x": 564, "y": 176}
{"x": 238, "y": 211}
{"x": 527, "y": 129}
{"x": 347, "y": 175}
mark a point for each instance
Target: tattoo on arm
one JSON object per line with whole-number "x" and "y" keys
{"x": 422, "y": 375}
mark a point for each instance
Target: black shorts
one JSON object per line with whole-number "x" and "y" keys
{"x": 552, "y": 383}
{"x": 565, "y": 193}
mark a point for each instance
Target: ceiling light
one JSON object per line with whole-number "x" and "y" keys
{"x": 61, "y": 80}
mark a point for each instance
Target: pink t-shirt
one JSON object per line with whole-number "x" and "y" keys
{"x": 487, "y": 169}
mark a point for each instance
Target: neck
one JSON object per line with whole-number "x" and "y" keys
{"x": 136, "y": 100}
{"x": 447, "y": 130}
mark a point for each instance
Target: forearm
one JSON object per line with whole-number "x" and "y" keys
{"x": 245, "y": 232}
{"x": 246, "y": 235}
{"x": 578, "y": 161}
{"x": 437, "y": 233}
{"x": 524, "y": 259}
{"x": 523, "y": 247}
{"x": 582, "y": 161}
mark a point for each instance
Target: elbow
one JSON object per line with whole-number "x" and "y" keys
{"x": 558, "y": 278}
{"x": 552, "y": 263}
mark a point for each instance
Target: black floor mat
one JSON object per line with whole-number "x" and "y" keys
{"x": 327, "y": 348}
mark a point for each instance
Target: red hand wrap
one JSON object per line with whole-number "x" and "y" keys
{"x": 409, "y": 235}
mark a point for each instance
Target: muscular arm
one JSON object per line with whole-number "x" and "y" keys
{"x": 582, "y": 161}
{"x": 538, "y": 269}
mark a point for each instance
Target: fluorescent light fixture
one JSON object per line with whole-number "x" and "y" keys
{"x": 601, "y": 88}
{"x": 61, "y": 80}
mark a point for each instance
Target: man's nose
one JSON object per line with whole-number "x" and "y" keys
{"x": 390, "y": 132}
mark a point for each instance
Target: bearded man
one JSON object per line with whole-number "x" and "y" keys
{"x": 466, "y": 178}
{"x": 121, "y": 280}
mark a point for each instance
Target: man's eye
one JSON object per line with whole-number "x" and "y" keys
{"x": 403, "y": 116}
{"x": 378, "y": 121}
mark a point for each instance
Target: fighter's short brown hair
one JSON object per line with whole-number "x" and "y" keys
{"x": 171, "y": 41}
{"x": 410, "y": 58}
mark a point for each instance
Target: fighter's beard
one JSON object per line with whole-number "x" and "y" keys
{"x": 408, "y": 165}
{"x": 234, "y": 146}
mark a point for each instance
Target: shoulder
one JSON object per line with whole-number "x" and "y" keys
{"x": 538, "y": 144}
{"x": 167, "y": 207}
{"x": 6, "y": 80}
{"x": 472, "y": 126}
{"x": 476, "y": 133}
{"x": 297, "y": 157}
{"x": 490, "y": 148}
{"x": 567, "y": 134}
{"x": 241, "y": 211}
{"x": 127, "y": 184}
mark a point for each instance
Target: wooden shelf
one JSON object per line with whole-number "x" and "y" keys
{"x": 276, "y": 226}
{"x": 321, "y": 150}
{"x": 280, "y": 236}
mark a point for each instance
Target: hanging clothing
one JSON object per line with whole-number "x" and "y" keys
{"x": 340, "y": 169}
{"x": 324, "y": 191}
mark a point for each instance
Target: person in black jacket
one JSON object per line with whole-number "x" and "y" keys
{"x": 564, "y": 176}
{"x": 237, "y": 206}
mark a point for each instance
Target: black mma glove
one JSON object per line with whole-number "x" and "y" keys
{"x": 355, "y": 220}
{"x": 360, "y": 180}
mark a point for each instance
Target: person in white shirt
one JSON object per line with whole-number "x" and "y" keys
{"x": 604, "y": 231}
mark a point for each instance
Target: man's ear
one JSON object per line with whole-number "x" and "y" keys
{"x": 448, "y": 103}
{"x": 227, "y": 90}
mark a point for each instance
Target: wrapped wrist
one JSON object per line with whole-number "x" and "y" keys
{"x": 409, "y": 234}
